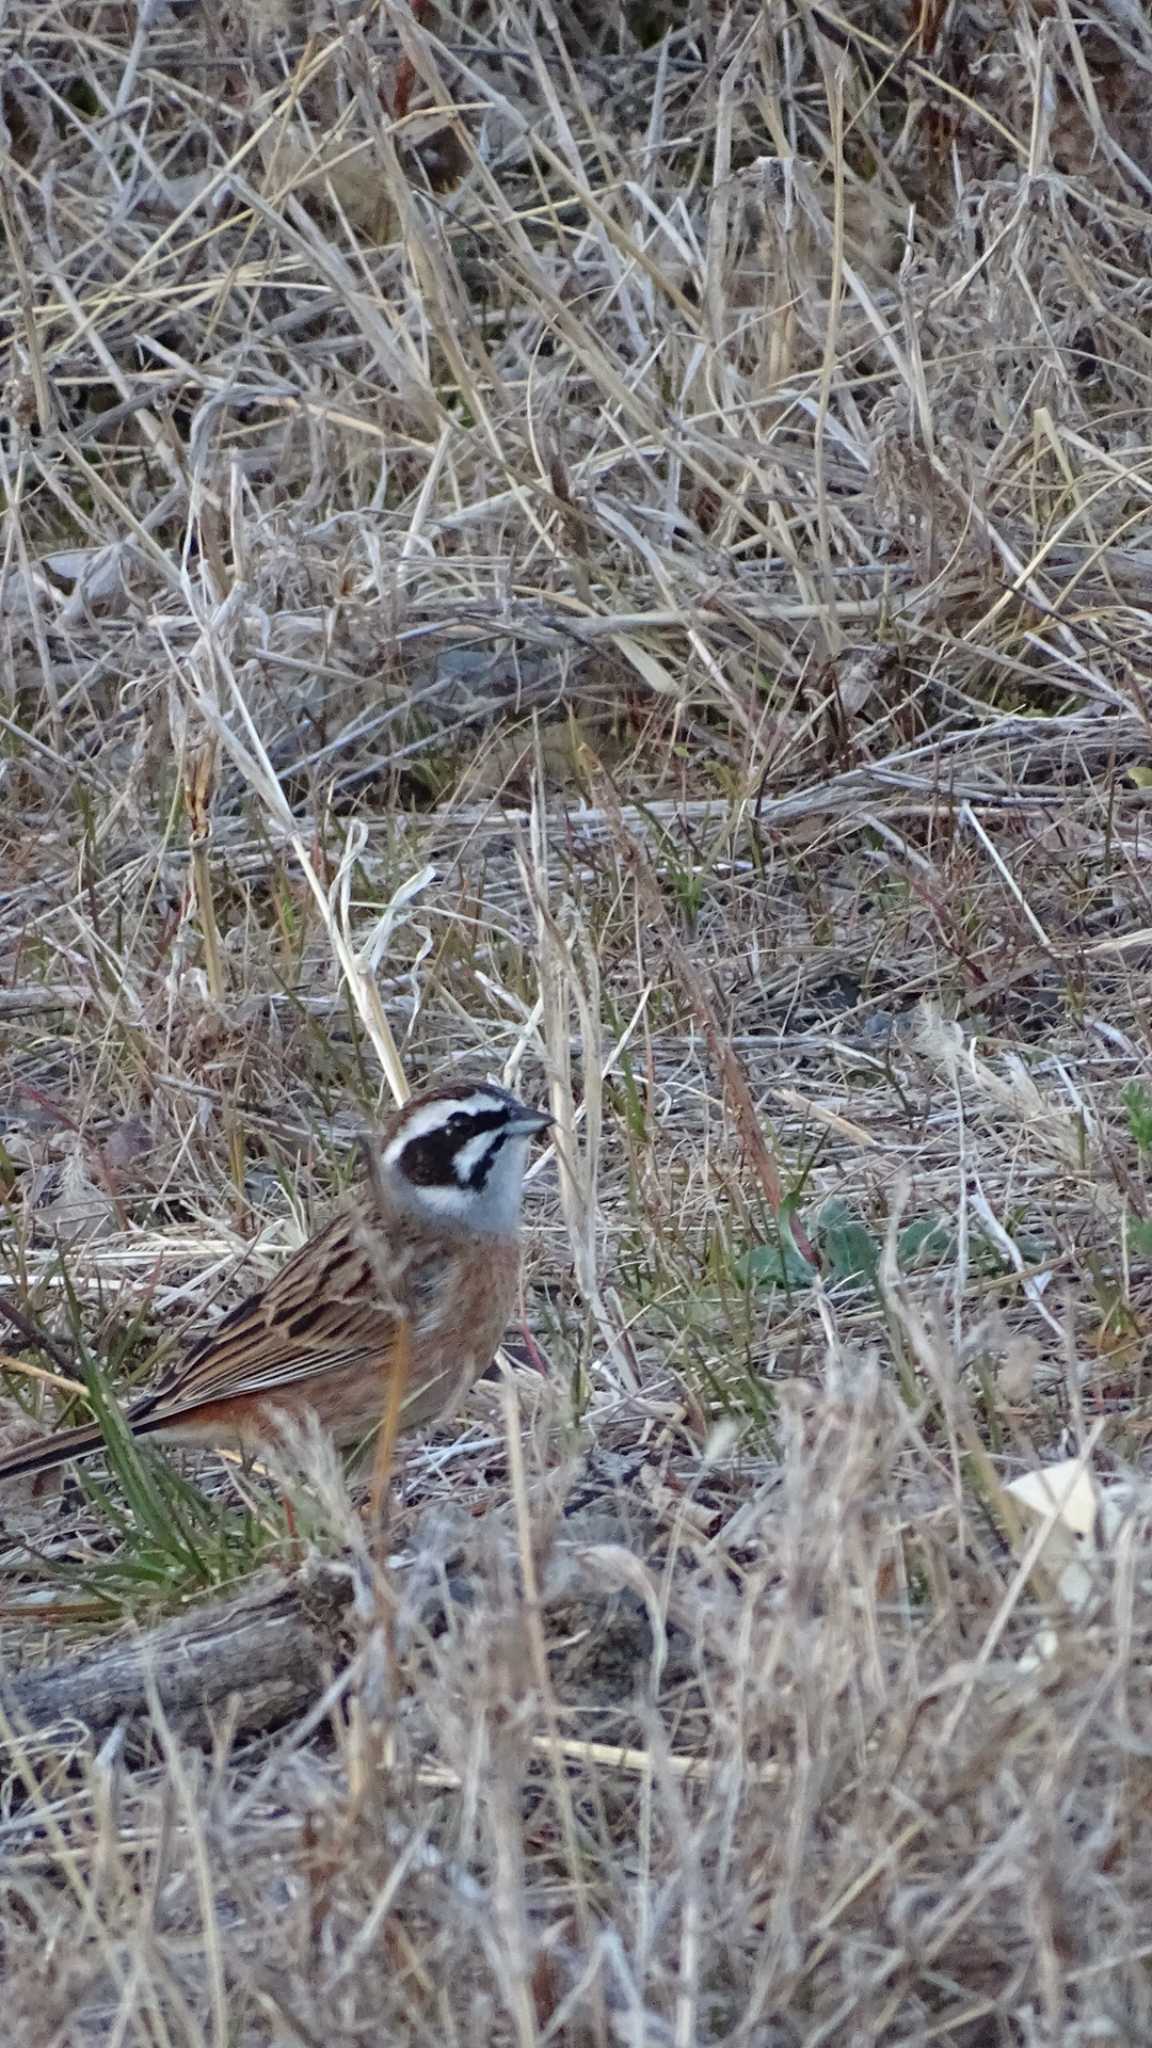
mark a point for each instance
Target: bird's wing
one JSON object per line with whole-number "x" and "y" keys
{"x": 323, "y": 1309}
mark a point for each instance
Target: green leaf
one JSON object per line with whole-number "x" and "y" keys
{"x": 775, "y": 1265}
{"x": 1140, "y": 1236}
{"x": 927, "y": 1242}
{"x": 849, "y": 1247}
{"x": 1139, "y": 1107}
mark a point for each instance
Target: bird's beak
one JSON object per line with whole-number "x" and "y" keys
{"x": 527, "y": 1123}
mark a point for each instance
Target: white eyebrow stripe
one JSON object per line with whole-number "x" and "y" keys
{"x": 432, "y": 1116}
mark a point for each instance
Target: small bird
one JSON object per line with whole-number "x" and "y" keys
{"x": 416, "y": 1277}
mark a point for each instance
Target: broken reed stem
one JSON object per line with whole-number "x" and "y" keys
{"x": 733, "y": 1080}
{"x": 33, "y": 1334}
{"x": 206, "y": 918}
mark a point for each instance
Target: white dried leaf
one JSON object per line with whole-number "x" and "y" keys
{"x": 68, "y": 1206}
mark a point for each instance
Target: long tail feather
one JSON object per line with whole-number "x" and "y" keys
{"x": 55, "y": 1450}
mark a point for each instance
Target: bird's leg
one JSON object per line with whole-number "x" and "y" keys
{"x": 390, "y": 1424}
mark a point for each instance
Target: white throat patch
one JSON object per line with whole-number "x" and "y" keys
{"x": 493, "y": 1208}
{"x": 472, "y": 1178}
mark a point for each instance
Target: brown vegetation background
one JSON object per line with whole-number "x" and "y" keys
{"x": 610, "y": 547}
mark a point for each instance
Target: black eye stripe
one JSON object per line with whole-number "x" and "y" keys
{"x": 484, "y": 1164}
{"x": 430, "y": 1160}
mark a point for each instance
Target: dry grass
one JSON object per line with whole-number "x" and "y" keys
{"x": 664, "y": 619}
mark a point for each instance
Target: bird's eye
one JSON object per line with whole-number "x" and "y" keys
{"x": 457, "y": 1120}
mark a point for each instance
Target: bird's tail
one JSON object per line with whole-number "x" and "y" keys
{"x": 54, "y": 1450}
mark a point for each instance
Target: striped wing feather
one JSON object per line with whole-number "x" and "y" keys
{"x": 320, "y": 1312}
{"x": 323, "y": 1335}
